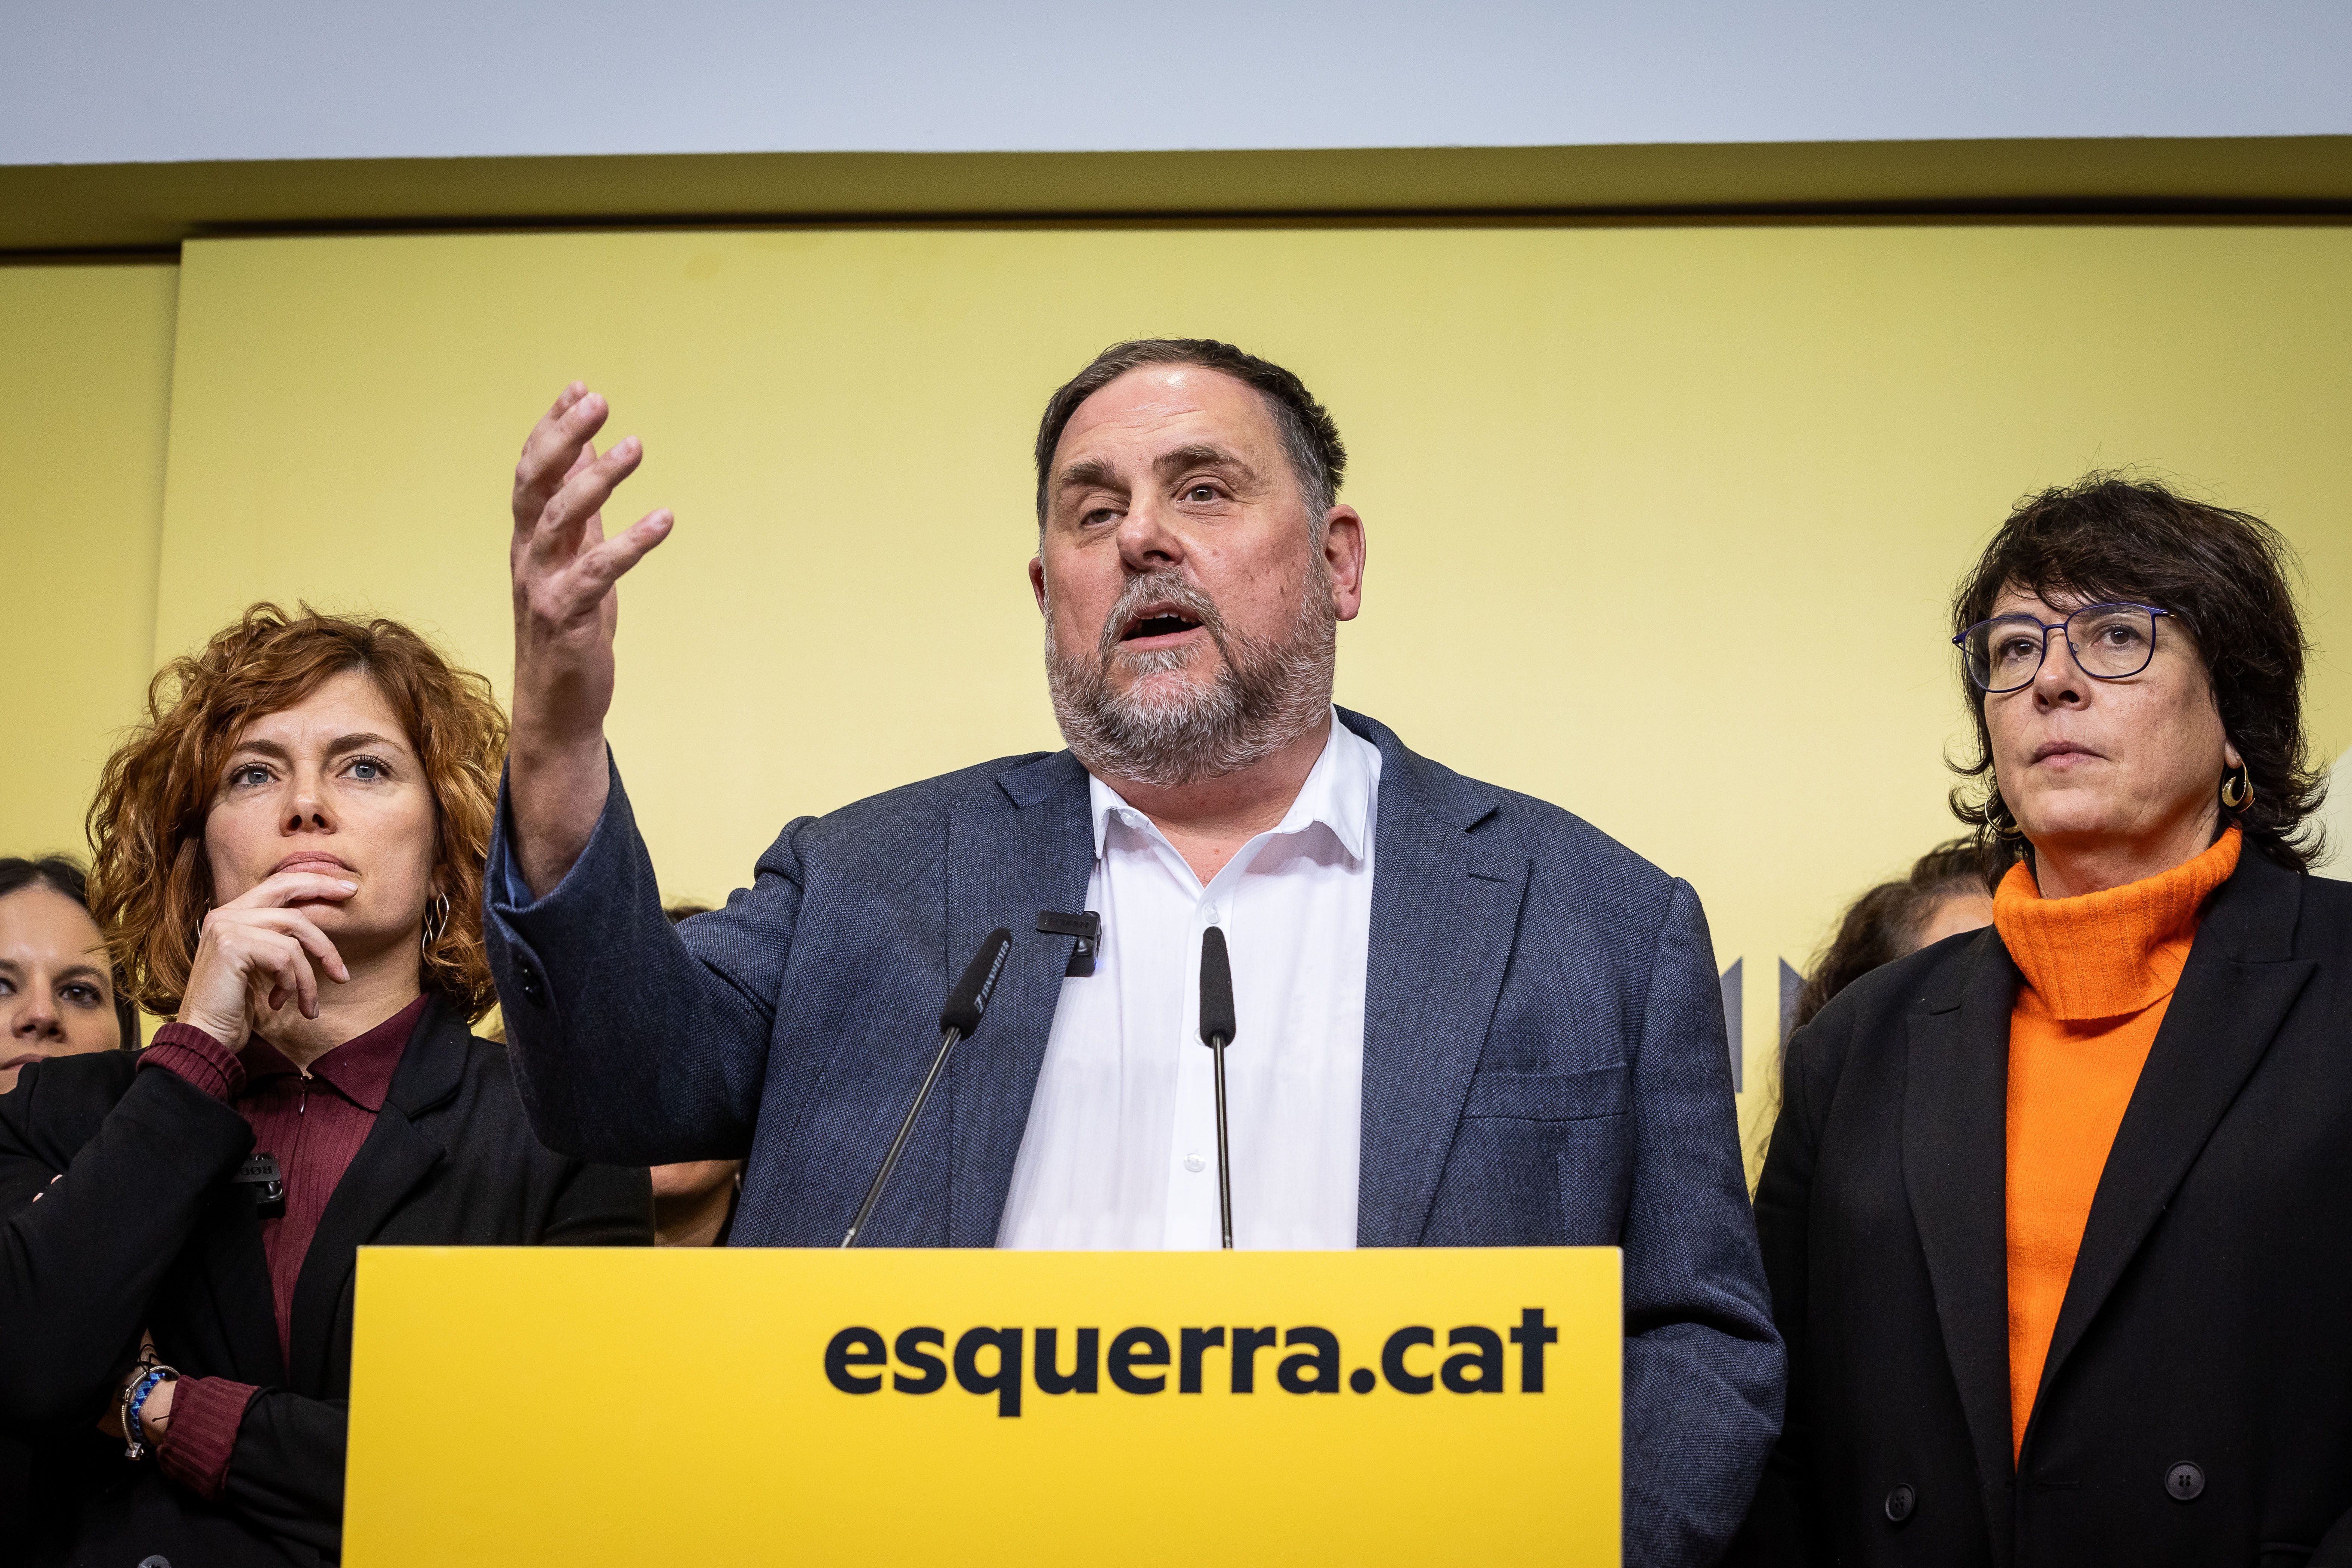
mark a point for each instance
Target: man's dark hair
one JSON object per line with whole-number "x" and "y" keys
{"x": 1309, "y": 439}
{"x": 60, "y": 875}
{"x": 2223, "y": 576}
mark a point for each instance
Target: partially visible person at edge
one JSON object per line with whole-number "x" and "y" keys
{"x": 2054, "y": 1212}
{"x": 59, "y": 992}
{"x": 59, "y": 997}
{"x": 1944, "y": 894}
{"x": 288, "y": 854}
{"x": 1502, "y": 1027}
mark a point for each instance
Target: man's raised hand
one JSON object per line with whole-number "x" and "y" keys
{"x": 565, "y": 611}
{"x": 564, "y": 569}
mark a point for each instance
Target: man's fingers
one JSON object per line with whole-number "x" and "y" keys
{"x": 564, "y": 400}
{"x": 553, "y": 447}
{"x": 557, "y": 537}
{"x": 606, "y": 563}
{"x": 547, "y": 451}
{"x": 575, "y": 595}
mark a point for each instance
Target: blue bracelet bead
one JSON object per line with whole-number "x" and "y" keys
{"x": 139, "y": 1401}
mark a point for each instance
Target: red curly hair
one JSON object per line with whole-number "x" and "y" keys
{"x": 150, "y": 880}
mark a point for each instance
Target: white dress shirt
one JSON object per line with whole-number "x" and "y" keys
{"x": 1121, "y": 1150}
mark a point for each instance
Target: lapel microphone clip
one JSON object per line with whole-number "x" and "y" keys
{"x": 1087, "y": 927}
{"x": 261, "y": 1173}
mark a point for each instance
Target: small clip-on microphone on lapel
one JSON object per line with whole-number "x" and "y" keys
{"x": 261, "y": 1173}
{"x": 1086, "y": 926}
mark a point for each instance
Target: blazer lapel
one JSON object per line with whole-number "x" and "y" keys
{"x": 2233, "y": 997}
{"x": 1445, "y": 906}
{"x": 1955, "y": 1172}
{"x": 234, "y": 1272}
{"x": 1010, "y": 858}
{"x": 390, "y": 1163}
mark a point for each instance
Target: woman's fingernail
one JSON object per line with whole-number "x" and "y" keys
{"x": 351, "y": 886}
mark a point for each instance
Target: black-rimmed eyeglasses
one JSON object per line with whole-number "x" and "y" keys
{"x": 2108, "y": 642}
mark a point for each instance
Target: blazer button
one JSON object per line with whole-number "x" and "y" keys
{"x": 154, "y": 1563}
{"x": 1901, "y": 1501}
{"x": 2185, "y": 1481}
{"x": 528, "y": 972}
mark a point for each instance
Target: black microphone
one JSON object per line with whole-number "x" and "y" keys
{"x": 968, "y": 1000}
{"x": 1217, "y": 1033}
{"x": 958, "y": 1018}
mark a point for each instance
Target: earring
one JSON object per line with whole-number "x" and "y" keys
{"x": 436, "y": 919}
{"x": 2237, "y": 792}
{"x": 1998, "y": 818}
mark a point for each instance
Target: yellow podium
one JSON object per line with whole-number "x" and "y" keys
{"x": 517, "y": 1406}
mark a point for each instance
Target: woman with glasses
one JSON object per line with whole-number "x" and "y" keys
{"x": 2056, "y": 1212}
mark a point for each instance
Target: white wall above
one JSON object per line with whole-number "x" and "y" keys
{"x": 137, "y": 80}
{"x": 2336, "y": 817}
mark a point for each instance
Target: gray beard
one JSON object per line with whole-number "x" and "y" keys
{"x": 1266, "y": 694}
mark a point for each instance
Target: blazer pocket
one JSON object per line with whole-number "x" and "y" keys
{"x": 1550, "y": 1095}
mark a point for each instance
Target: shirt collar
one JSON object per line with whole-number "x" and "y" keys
{"x": 1338, "y": 793}
{"x": 360, "y": 1069}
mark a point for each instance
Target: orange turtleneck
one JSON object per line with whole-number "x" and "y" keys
{"x": 2099, "y": 972}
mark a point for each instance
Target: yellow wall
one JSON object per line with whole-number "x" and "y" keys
{"x": 1662, "y": 518}
{"x": 85, "y": 384}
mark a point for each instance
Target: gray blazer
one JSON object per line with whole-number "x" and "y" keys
{"x": 1545, "y": 1061}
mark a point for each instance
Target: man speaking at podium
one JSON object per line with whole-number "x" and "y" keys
{"x": 1466, "y": 1017}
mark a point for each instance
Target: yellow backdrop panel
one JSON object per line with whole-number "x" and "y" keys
{"x": 511, "y": 1407}
{"x": 1662, "y": 519}
{"x": 85, "y": 387}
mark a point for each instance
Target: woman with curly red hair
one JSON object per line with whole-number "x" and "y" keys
{"x": 289, "y": 862}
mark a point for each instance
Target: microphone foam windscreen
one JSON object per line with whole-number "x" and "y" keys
{"x": 1216, "y": 987}
{"x": 968, "y": 1000}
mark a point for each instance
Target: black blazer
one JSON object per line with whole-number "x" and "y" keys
{"x": 145, "y": 1232}
{"x": 2196, "y": 1407}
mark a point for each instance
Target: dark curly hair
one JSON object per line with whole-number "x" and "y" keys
{"x": 1309, "y": 437}
{"x": 2225, "y": 577}
{"x": 149, "y": 882}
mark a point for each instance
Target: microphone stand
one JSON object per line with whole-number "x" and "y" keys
{"x": 1224, "y": 1147}
{"x": 958, "y": 1019}
{"x": 948, "y": 1038}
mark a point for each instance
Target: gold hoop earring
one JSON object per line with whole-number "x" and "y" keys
{"x": 2002, "y": 824}
{"x": 2238, "y": 791}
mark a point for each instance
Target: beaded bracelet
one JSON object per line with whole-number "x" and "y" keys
{"x": 134, "y": 1400}
{"x": 132, "y": 1449}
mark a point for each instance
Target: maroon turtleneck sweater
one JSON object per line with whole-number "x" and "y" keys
{"x": 314, "y": 1122}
